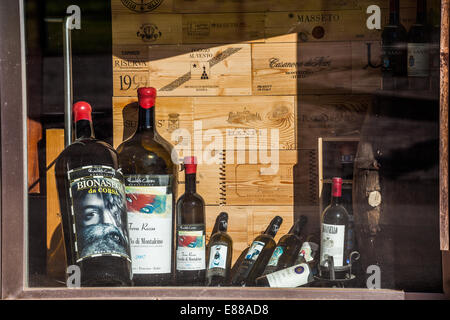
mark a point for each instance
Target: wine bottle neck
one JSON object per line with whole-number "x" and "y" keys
{"x": 394, "y": 12}
{"x": 336, "y": 201}
{"x": 273, "y": 227}
{"x": 146, "y": 120}
{"x": 84, "y": 129}
{"x": 191, "y": 184}
{"x": 421, "y": 11}
{"x": 223, "y": 226}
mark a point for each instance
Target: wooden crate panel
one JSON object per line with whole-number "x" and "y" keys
{"x": 141, "y": 7}
{"x": 333, "y": 25}
{"x": 287, "y": 5}
{"x": 262, "y": 215}
{"x": 306, "y": 68}
{"x": 146, "y": 29}
{"x": 171, "y": 114}
{"x": 366, "y": 66}
{"x": 329, "y": 116}
{"x": 212, "y": 6}
{"x": 257, "y": 184}
{"x": 130, "y": 58}
{"x": 126, "y": 83}
{"x": 223, "y": 28}
{"x": 247, "y": 123}
{"x": 306, "y": 178}
{"x": 201, "y": 70}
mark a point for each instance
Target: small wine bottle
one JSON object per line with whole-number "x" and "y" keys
{"x": 191, "y": 258}
{"x": 292, "y": 277}
{"x": 257, "y": 256}
{"x": 219, "y": 254}
{"x": 150, "y": 181}
{"x": 334, "y": 226}
{"x": 419, "y": 50}
{"x": 93, "y": 207}
{"x": 287, "y": 248}
{"x": 394, "y": 50}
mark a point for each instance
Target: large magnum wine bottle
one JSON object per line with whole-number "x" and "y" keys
{"x": 93, "y": 206}
{"x": 259, "y": 253}
{"x": 419, "y": 50}
{"x": 394, "y": 51}
{"x": 190, "y": 258}
{"x": 287, "y": 248}
{"x": 219, "y": 254}
{"x": 334, "y": 226}
{"x": 150, "y": 179}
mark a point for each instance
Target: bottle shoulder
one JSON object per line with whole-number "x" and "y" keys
{"x": 335, "y": 214}
{"x": 220, "y": 237}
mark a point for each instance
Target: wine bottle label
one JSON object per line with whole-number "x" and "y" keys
{"x": 332, "y": 244}
{"x": 98, "y": 208}
{"x": 291, "y": 277}
{"x": 150, "y": 212}
{"x": 191, "y": 247}
{"x": 273, "y": 262}
{"x": 218, "y": 260}
{"x": 308, "y": 251}
{"x": 255, "y": 250}
{"x": 418, "y": 60}
{"x": 392, "y": 58}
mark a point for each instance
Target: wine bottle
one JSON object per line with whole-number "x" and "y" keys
{"x": 307, "y": 253}
{"x": 334, "y": 226}
{"x": 238, "y": 262}
{"x": 150, "y": 182}
{"x": 191, "y": 259}
{"x": 287, "y": 248}
{"x": 219, "y": 254}
{"x": 291, "y": 277}
{"x": 418, "y": 50}
{"x": 394, "y": 51}
{"x": 93, "y": 207}
{"x": 257, "y": 255}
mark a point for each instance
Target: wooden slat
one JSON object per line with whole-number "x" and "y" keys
{"x": 55, "y": 245}
{"x": 330, "y": 115}
{"x": 244, "y": 117}
{"x": 34, "y": 135}
{"x": 213, "y": 6}
{"x": 201, "y": 70}
{"x": 223, "y": 28}
{"x": 146, "y": 29}
{"x": 366, "y": 75}
{"x": 134, "y": 6}
{"x": 126, "y": 83}
{"x": 130, "y": 58}
{"x": 443, "y": 116}
{"x": 306, "y": 68}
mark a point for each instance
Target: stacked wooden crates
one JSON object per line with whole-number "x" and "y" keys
{"x": 238, "y": 69}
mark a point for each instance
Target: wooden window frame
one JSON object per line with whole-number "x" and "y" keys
{"x": 13, "y": 201}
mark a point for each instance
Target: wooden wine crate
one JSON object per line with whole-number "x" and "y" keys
{"x": 130, "y": 58}
{"x": 245, "y": 223}
{"x": 223, "y": 28}
{"x": 320, "y": 25}
{"x": 141, "y": 7}
{"x": 366, "y": 66}
{"x": 306, "y": 68}
{"x": 330, "y": 115}
{"x": 201, "y": 70}
{"x": 306, "y": 179}
{"x": 248, "y": 123}
{"x": 212, "y": 6}
{"x": 261, "y": 184}
{"x": 289, "y": 5}
{"x": 146, "y": 29}
{"x": 171, "y": 114}
{"x": 126, "y": 83}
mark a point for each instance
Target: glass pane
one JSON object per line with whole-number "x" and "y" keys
{"x": 275, "y": 99}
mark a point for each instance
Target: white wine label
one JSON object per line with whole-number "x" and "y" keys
{"x": 418, "y": 60}
{"x": 254, "y": 250}
{"x": 218, "y": 256}
{"x": 291, "y": 277}
{"x": 191, "y": 247}
{"x": 98, "y": 207}
{"x": 149, "y": 206}
{"x": 308, "y": 250}
{"x": 273, "y": 262}
{"x": 332, "y": 244}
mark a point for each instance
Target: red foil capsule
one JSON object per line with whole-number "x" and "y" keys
{"x": 82, "y": 111}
